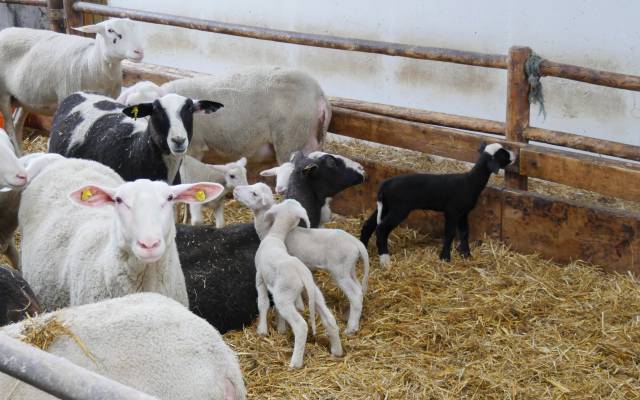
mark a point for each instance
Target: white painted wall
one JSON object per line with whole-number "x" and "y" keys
{"x": 592, "y": 33}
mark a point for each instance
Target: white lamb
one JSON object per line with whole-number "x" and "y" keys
{"x": 331, "y": 249}
{"x": 40, "y": 68}
{"x": 12, "y": 172}
{"x": 146, "y": 341}
{"x": 228, "y": 175}
{"x": 285, "y": 277}
{"x": 141, "y": 92}
{"x": 88, "y": 235}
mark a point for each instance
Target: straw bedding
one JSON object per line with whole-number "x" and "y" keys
{"x": 501, "y": 325}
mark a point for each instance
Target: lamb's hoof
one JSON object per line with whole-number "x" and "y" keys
{"x": 282, "y": 329}
{"x": 385, "y": 260}
{"x": 351, "y": 331}
{"x": 337, "y": 352}
{"x": 445, "y": 258}
{"x": 465, "y": 254}
{"x": 295, "y": 364}
{"x": 262, "y": 331}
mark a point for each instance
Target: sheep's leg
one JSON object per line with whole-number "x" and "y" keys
{"x": 263, "y": 305}
{"x": 5, "y": 109}
{"x": 450, "y": 223}
{"x": 463, "y": 232}
{"x": 196, "y": 214}
{"x": 329, "y": 322}
{"x": 185, "y": 216}
{"x": 388, "y": 224}
{"x": 219, "y": 213}
{"x": 13, "y": 255}
{"x": 20, "y": 117}
{"x": 368, "y": 228}
{"x": 299, "y": 303}
{"x": 298, "y": 326}
{"x": 353, "y": 291}
{"x": 282, "y": 324}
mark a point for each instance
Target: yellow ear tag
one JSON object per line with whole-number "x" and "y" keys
{"x": 86, "y": 194}
{"x": 200, "y": 195}
{"x": 134, "y": 111}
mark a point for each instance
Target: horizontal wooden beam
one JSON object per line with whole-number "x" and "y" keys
{"x": 608, "y": 177}
{"x": 417, "y": 115}
{"x": 578, "y": 142}
{"x": 304, "y": 39}
{"x": 590, "y": 75}
{"x": 158, "y": 74}
{"x": 37, "y": 3}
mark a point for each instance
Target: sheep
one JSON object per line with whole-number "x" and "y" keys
{"x": 219, "y": 270}
{"x": 285, "y": 277}
{"x": 88, "y": 235}
{"x": 454, "y": 194}
{"x": 40, "y": 68}
{"x": 316, "y": 179}
{"x": 10, "y": 202}
{"x": 12, "y": 173}
{"x": 97, "y": 128}
{"x": 146, "y": 341}
{"x": 228, "y": 175}
{"x": 17, "y": 300}
{"x": 141, "y": 92}
{"x": 331, "y": 249}
{"x": 271, "y": 111}
{"x": 282, "y": 173}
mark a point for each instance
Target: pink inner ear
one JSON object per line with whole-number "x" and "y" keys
{"x": 190, "y": 195}
{"x": 91, "y": 196}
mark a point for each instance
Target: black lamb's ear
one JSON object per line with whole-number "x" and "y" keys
{"x": 493, "y": 165}
{"x": 310, "y": 169}
{"x": 483, "y": 145}
{"x": 139, "y": 110}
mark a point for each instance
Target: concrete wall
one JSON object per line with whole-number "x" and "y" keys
{"x": 25, "y": 16}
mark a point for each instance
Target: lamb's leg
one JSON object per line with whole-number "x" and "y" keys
{"x": 13, "y": 255}
{"x": 368, "y": 228}
{"x": 299, "y": 303}
{"x": 298, "y": 326}
{"x": 185, "y": 216}
{"x": 388, "y": 224}
{"x": 463, "y": 231}
{"x": 20, "y": 117}
{"x": 353, "y": 291}
{"x": 329, "y": 322}
{"x": 282, "y": 324}
{"x": 196, "y": 214}
{"x": 263, "y": 305}
{"x": 5, "y": 109}
{"x": 450, "y": 223}
{"x": 219, "y": 213}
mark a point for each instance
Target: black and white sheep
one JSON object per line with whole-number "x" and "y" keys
{"x": 95, "y": 127}
{"x": 17, "y": 300}
{"x": 40, "y": 68}
{"x": 454, "y": 194}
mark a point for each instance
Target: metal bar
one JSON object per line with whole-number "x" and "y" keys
{"x": 305, "y": 39}
{"x": 38, "y": 3}
{"x": 58, "y": 376}
{"x": 590, "y": 75}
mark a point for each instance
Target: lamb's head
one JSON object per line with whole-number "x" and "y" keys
{"x": 495, "y": 156}
{"x": 143, "y": 209}
{"x": 17, "y": 300}
{"x": 332, "y": 172}
{"x": 235, "y": 173}
{"x": 141, "y": 92}
{"x": 256, "y": 197}
{"x": 120, "y": 38}
{"x": 282, "y": 174}
{"x": 286, "y": 216}
{"x": 12, "y": 173}
{"x": 171, "y": 120}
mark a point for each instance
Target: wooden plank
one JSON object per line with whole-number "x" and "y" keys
{"x": 566, "y": 231}
{"x": 72, "y": 18}
{"x": 55, "y": 15}
{"x": 136, "y": 72}
{"x": 517, "y": 106}
{"x": 609, "y": 177}
{"x": 445, "y": 142}
{"x": 417, "y": 115}
{"x": 590, "y": 75}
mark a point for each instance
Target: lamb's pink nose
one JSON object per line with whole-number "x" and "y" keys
{"x": 149, "y": 244}
{"x": 22, "y": 178}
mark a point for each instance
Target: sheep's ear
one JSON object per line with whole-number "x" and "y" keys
{"x": 196, "y": 193}
{"x": 310, "y": 169}
{"x": 242, "y": 162}
{"x": 482, "y": 147}
{"x": 96, "y": 28}
{"x": 269, "y": 172}
{"x": 139, "y": 110}
{"x": 205, "y": 106}
{"x": 93, "y": 196}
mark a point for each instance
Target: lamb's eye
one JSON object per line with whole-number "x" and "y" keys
{"x": 110, "y": 30}
{"x": 254, "y": 194}
{"x": 118, "y": 200}
{"x": 170, "y": 197}
{"x": 232, "y": 176}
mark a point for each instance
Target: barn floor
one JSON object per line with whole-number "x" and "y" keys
{"x": 500, "y": 325}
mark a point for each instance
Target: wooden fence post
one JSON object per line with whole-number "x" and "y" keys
{"x": 517, "y": 106}
{"x": 72, "y": 18}
{"x": 55, "y": 15}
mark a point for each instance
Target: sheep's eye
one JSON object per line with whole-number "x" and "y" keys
{"x": 110, "y": 30}
{"x": 170, "y": 197}
{"x": 254, "y": 194}
{"x": 232, "y": 176}
{"x": 118, "y": 200}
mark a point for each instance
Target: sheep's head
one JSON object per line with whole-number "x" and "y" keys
{"x": 144, "y": 211}
{"x": 171, "y": 119}
{"x": 332, "y": 172}
{"x": 16, "y": 298}
{"x": 120, "y": 36}
{"x": 282, "y": 174}
{"x": 496, "y": 157}
{"x": 235, "y": 173}
{"x": 12, "y": 173}
{"x": 257, "y": 196}
{"x": 288, "y": 213}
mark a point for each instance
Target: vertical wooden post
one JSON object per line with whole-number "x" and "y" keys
{"x": 72, "y": 18}
{"x": 55, "y": 15}
{"x": 517, "y": 106}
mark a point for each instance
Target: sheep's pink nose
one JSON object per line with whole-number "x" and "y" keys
{"x": 149, "y": 244}
{"x": 22, "y": 178}
{"x": 279, "y": 189}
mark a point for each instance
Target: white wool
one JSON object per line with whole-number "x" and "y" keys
{"x": 146, "y": 341}
{"x": 10, "y": 166}
{"x": 141, "y": 92}
{"x": 73, "y": 255}
{"x": 492, "y": 148}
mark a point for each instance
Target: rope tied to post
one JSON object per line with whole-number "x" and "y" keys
{"x": 532, "y": 69}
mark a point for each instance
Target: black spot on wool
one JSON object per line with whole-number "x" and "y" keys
{"x": 106, "y": 105}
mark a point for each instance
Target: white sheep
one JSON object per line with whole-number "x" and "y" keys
{"x": 228, "y": 175}
{"x": 334, "y": 250}
{"x": 141, "y": 92}
{"x": 12, "y": 172}
{"x": 88, "y": 235}
{"x": 39, "y": 68}
{"x": 146, "y": 341}
{"x": 286, "y": 277}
